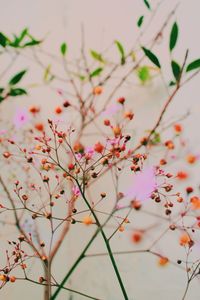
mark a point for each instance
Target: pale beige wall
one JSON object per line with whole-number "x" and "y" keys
{"x": 104, "y": 21}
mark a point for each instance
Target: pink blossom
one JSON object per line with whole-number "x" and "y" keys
{"x": 89, "y": 152}
{"x": 144, "y": 184}
{"x": 78, "y": 156}
{"x": 113, "y": 141}
{"x": 76, "y": 191}
{"x": 111, "y": 110}
{"x": 21, "y": 118}
{"x": 3, "y": 131}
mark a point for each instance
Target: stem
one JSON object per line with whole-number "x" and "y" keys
{"x": 107, "y": 245}
{"x": 47, "y": 290}
{"x": 186, "y": 290}
{"x": 79, "y": 259}
{"x": 81, "y": 256}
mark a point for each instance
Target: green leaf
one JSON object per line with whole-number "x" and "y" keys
{"x": 96, "y": 72}
{"x": 32, "y": 43}
{"x": 81, "y": 77}
{"x": 3, "y": 40}
{"x": 144, "y": 74}
{"x": 15, "y": 79}
{"x": 97, "y": 56}
{"x": 140, "y": 21}
{"x": 47, "y": 72}
{"x": 48, "y": 77}
{"x": 193, "y": 65}
{"x": 63, "y": 49}
{"x": 1, "y": 90}
{"x": 156, "y": 138}
{"x": 147, "y": 4}
{"x": 17, "y": 92}
{"x": 152, "y": 57}
{"x": 22, "y": 35}
{"x": 173, "y": 36}
{"x": 121, "y": 51}
{"x": 176, "y": 69}
{"x": 172, "y": 83}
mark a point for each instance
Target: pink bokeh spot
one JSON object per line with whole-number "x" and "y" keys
{"x": 111, "y": 110}
{"x": 21, "y": 118}
{"x": 144, "y": 184}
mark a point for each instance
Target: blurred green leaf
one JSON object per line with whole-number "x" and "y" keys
{"x": 140, "y": 21}
{"x": 121, "y": 51}
{"x": 81, "y": 77}
{"x": 193, "y": 65}
{"x": 23, "y": 35}
{"x": 152, "y": 57}
{"x": 147, "y": 4}
{"x": 97, "y": 56}
{"x": 16, "y": 78}
{"x": 17, "y": 92}
{"x": 144, "y": 74}
{"x": 176, "y": 69}
{"x": 96, "y": 72}
{"x": 173, "y": 36}
{"x": 32, "y": 43}
{"x": 3, "y": 40}
{"x": 63, "y": 49}
{"x": 156, "y": 139}
{"x": 172, "y": 83}
{"x": 47, "y": 74}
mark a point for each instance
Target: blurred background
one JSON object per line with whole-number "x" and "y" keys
{"x": 105, "y": 21}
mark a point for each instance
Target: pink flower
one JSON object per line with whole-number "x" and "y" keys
{"x": 76, "y": 191}
{"x": 21, "y": 117}
{"x": 144, "y": 184}
{"x": 89, "y": 152}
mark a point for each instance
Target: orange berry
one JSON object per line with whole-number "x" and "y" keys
{"x": 116, "y": 130}
{"x": 178, "y": 128}
{"x": 38, "y": 147}
{"x": 23, "y": 266}
{"x": 121, "y": 228}
{"x": 58, "y": 110}
{"x": 12, "y": 279}
{"x": 78, "y": 147}
{"x": 107, "y": 122}
{"x": 169, "y": 145}
{"x": 6, "y": 154}
{"x": 43, "y": 161}
{"x": 163, "y": 261}
{"x": 34, "y": 109}
{"x": 97, "y": 90}
{"x": 191, "y": 159}
{"x": 98, "y": 147}
{"x": 136, "y": 237}
{"x": 195, "y": 201}
{"x": 182, "y": 175}
{"x": 87, "y": 220}
{"x": 184, "y": 239}
{"x": 128, "y": 115}
{"x": 71, "y": 166}
{"x": 121, "y": 100}
{"x": 136, "y": 204}
{"x": 44, "y": 258}
{"x": 180, "y": 199}
{"x": 3, "y": 278}
{"x": 163, "y": 162}
{"x": 39, "y": 126}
